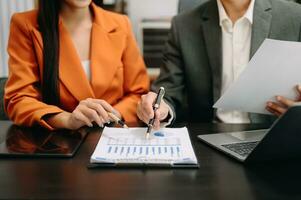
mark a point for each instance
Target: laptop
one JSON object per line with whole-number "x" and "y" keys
{"x": 18, "y": 141}
{"x": 281, "y": 142}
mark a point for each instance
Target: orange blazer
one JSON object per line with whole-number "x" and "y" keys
{"x": 118, "y": 73}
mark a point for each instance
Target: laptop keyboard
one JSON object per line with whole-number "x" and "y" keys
{"x": 242, "y": 149}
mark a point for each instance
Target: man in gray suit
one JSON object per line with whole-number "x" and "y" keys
{"x": 208, "y": 48}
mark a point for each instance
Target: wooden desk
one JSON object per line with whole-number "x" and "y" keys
{"x": 219, "y": 177}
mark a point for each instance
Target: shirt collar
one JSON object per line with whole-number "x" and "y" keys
{"x": 223, "y": 16}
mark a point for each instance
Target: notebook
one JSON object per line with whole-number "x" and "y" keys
{"x": 168, "y": 147}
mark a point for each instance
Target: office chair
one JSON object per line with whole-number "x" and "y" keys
{"x": 189, "y": 4}
{"x": 3, "y": 115}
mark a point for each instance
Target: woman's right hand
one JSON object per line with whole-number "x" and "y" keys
{"x": 87, "y": 112}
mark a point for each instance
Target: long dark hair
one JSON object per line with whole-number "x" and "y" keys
{"x": 48, "y": 20}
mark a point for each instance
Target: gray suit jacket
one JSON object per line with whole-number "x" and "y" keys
{"x": 192, "y": 69}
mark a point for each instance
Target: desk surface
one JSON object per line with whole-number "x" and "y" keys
{"x": 218, "y": 177}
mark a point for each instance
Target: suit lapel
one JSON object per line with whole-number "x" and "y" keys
{"x": 106, "y": 57}
{"x": 213, "y": 41}
{"x": 71, "y": 72}
{"x": 261, "y": 24}
{"x": 106, "y": 53}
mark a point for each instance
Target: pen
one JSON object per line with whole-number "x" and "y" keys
{"x": 156, "y": 105}
{"x": 117, "y": 120}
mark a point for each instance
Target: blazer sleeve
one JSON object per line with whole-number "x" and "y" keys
{"x": 136, "y": 80}
{"x": 22, "y": 96}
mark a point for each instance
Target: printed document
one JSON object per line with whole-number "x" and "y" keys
{"x": 166, "y": 146}
{"x": 275, "y": 69}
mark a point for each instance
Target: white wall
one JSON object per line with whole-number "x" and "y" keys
{"x": 139, "y": 9}
{"x": 7, "y": 8}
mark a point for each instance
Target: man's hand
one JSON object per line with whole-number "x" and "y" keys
{"x": 283, "y": 104}
{"x": 145, "y": 109}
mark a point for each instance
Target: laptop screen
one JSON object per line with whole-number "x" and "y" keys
{"x": 18, "y": 141}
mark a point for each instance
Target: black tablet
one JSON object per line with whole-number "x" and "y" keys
{"x": 16, "y": 141}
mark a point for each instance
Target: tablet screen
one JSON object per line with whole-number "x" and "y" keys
{"x": 16, "y": 141}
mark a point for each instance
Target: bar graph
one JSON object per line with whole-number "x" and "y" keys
{"x": 137, "y": 147}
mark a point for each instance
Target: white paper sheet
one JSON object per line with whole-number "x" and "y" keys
{"x": 119, "y": 145}
{"x": 275, "y": 69}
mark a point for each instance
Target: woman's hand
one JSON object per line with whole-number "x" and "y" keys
{"x": 283, "y": 104}
{"x": 87, "y": 112}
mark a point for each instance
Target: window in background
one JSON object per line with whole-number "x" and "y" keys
{"x": 7, "y": 8}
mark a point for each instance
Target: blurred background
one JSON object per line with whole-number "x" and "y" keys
{"x": 150, "y": 20}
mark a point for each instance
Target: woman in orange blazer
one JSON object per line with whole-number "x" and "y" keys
{"x": 71, "y": 63}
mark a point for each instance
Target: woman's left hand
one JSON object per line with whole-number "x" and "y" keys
{"x": 283, "y": 104}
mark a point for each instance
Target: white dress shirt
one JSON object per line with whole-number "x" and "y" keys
{"x": 236, "y": 45}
